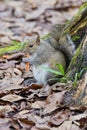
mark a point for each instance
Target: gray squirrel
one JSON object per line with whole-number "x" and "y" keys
{"x": 47, "y": 53}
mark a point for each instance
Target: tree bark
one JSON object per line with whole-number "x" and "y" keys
{"x": 79, "y": 60}
{"x": 78, "y": 27}
{"x": 77, "y": 95}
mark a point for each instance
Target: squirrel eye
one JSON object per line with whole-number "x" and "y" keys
{"x": 31, "y": 45}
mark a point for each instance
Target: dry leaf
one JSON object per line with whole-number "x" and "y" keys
{"x": 53, "y": 101}
{"x": 12, "y": 98}
{"x": 5, "y": 109}
{"x": 59, "y": 118}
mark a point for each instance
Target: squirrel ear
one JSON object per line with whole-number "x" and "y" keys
{"x": 37, "y": 37}
{"x": 38, "y": 40}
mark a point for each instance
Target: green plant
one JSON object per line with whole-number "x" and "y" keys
{"x": 14, "y": 42}
{"x": 16, "y": 46}
{"x": 75, "y": 38}
{"x": 75, "y": 80}
{"x": 78, "y": 76}
{"x": 60, "y": 73}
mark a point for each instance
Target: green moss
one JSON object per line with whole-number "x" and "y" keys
{"x": 78, "y": 53}
{"x": 73, "y": 25}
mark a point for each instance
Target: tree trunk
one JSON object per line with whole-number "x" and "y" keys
{"x": 77, "y": 27}
{"x": 79, "y": 60}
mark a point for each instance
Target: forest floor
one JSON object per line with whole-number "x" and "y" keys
{"x": 25, "y": 105}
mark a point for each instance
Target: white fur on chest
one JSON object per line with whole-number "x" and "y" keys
{"x": 40, "y": 73}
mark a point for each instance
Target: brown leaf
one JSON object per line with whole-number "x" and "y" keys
{"x": 59, "y": 118}
{"x": 11, "y": 79}
{"x": 22, "y": 114}
{"x": 16, "y": 56}
{"x": 78, "y": 117}
{"x": 53, "y": 101}
{"x": 26, "y": 122}
{"x": 11, "y": 98}
{"x": 38, "y": 104}
{"x": 8, "y": 64}
{"x": 35, "y": 86}
{"x": 5, "y": 109}
{"x": 67, "y": 125}
{"x": 5, "y": 123}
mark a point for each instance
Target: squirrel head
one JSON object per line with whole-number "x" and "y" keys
{"x": 32, "y": 45}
